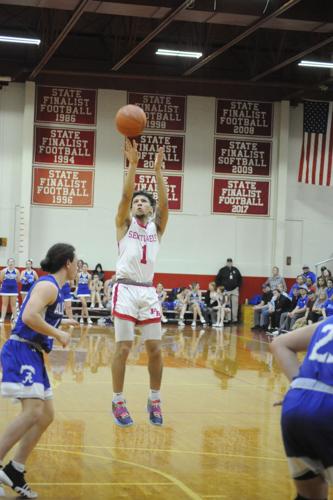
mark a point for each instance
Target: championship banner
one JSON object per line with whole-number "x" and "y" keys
{"x": 64, "y": 146}
{"x": 174, "y": 184}
{"x": 244, "y": 118}
{"x": 65, "y": 105}
{"x": 148, "y": 145}
{"x": 242, "y": 157}
{"x": 164, "y": 112}
{"x": 63, "y": 187}
{"x": 240, "y": 196}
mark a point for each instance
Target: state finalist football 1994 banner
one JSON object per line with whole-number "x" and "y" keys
{"x": 249, "y": 118}
{"x": 174, "y": 185}
{"x": 65, "y": 105}
{"x": 240, "y": 196}
{"x": 164, "y": 112}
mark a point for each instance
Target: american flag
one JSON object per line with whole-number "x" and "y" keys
{"x": 315, "y": 166}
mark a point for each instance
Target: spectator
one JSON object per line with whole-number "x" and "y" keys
{"x": 196, "y": 304}
{"x": 309, "y": 274}
{"x": 310, "y": 285}
{"x": 108, "y": 287}
{"x": 300, "y": 309}
{"x": 329, "y": 289}
{"x": 276, "y": 279}
{"x": 262, "y": 307}
{"x": 211, "y": 303}
{"x": 96, "y": 286}
{"x": 181, "y": 304}
{"x": 282, "y": 303}
{"x": 230, "y": 277}
{"x": 99, "y": 270}
{"x": 299, "y": 282}
{"x": 327, "y": 308}
{"x": 222, "y": 307}
{"x": 162, "y": 295}
{"x": 325, "y": 273}
{"x": 321, "y": 285}
{"x": 316, "y": 312}
{"x": 304, "y": 319}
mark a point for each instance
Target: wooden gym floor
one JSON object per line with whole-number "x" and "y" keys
{"x": 221, "y": 437}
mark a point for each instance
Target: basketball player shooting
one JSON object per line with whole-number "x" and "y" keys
{"x": 140, "y": 225}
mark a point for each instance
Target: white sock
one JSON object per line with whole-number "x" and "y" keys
{"x": 19, "y": 467}
{"x": 118, "y": 396}
{"x": 154, "y": 395}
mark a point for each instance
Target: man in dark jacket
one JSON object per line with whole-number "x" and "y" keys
{"x": 230, "y": 277}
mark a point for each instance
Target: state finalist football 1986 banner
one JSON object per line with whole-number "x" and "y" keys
{"x": 240, "y": 196}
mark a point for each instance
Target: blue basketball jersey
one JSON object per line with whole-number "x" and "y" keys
{"x": 318, "y": 362}
{"x": 9, "y": 284}
{"x": 83, "y": 279}
{"x": 53, "y": 316}
{"x": 28, "y": 277}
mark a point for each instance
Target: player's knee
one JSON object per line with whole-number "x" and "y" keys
{"x": 154, "y": 351}
{"x": 47, "y": 417}
{"x": 122, "y": 350}
{"x": 35, "y": 414}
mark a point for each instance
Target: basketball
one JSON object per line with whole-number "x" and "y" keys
{"x": 130, "y": 120}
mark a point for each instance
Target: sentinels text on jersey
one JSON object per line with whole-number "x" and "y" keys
{"x": 138, "y": 251}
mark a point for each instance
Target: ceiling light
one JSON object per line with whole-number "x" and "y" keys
{"x": 5, "y": 78}
{"x": 316, "y": 64}
{"x": 178, "y": 53}
{"x": 18, "y": 39}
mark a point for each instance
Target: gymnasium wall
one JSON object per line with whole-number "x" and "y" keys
{"x": 196, "y": 242}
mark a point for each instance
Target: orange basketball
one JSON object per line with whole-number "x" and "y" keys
{"x": 130, "y": 120}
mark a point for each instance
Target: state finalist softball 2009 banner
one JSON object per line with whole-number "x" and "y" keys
{"x": 316, "y": 161}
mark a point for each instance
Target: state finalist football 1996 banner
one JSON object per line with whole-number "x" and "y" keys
{"x": 240, "y": 196}
{"x": 248, "y": 118}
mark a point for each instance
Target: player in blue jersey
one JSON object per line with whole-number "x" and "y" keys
{"x": 24, "y": 376}
{"x": 27, "y": 278}
{"x": 307, "y": 413}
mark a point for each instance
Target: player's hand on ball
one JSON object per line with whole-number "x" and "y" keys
{"x": 159, "y": 159}
{"x": 64, "y": 338}
{"x": 131, "y": 152}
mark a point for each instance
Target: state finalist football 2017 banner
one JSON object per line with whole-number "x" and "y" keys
{"x": 62, "y": 187}
{"x": 241, "y": 196}
{"x": 242, "y": 157}
{"x": 148, "y": 145}
{"x": 65, "y": 105}
{"x": 64, "y": 146}
{"x": 247, "y": 118}
{"x": 174, "y": 184}
{"x": 164, "y": 112}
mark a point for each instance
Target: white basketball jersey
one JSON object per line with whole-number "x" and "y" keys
{"x": 138, "y": 251}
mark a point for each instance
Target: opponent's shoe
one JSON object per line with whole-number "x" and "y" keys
{"x": 155, "y": 412}
{"x": 15, "y": 479}
{"x": 120, "y": 414}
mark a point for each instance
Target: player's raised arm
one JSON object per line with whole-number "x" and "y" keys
{"x": 162, "y": 211}
{"x": 123, "y": 215}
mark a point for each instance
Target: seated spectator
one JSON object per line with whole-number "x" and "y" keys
{"x": 210, "y": 299}
{"x": 310, "y": 285}
{"x": 108, "y": 288}
{"x": 196, "y": 303}
{"x": 223, "y": 306}
{"x": 325, "y": 273}
{"x": 299, "y": 311}
{"x": 282, "y": 303}
{"x": 329, "y": 289}
{"x": 162, "y": 295}
{"x": 327, "y": 308}
{"x": 99, "y": 270}
{"x": 96, "y": 286}
{"x": 321, "y": 285}
{"x": 181, "y": 304}
{"x": 316, "y": 312}
{"x": 299, "y": 282}
{"x": 304, "y": 319}
{"x": 275, "y": 279}
{"x": 261, "y": 307}
{"x": 309, "y": 274}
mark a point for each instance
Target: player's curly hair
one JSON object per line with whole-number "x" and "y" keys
{"x": 150, "y": 197}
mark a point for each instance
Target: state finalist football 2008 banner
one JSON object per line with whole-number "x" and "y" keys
{"x": 247, "y": 118}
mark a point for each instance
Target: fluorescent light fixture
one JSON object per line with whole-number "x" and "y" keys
{"x": 18, "y": 39}
{"x": 5, "y": 78}
{"x": 316, "y": 64}
{"x": 178, "y": 53}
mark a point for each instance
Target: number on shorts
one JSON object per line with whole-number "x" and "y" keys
{"x": 325, "y": 357}
{"x": 144, "y": 255}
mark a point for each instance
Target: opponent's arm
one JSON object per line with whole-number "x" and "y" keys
{"x": 162, "y": 211}
{"x": 43, "y": 295}
{"x": 123, "y": 215}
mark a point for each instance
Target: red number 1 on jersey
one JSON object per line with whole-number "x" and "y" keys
{"x": 144, "y": 255}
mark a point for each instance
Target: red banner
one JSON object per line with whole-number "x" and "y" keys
{"x": 242, "y": 157}
{"x": 164, "y": 112}
{"x": 64, "y": 146}
{"x": 148, "y": 145}
{"x": 65, "y": 105}
{"x": 63, "y": 187}
{"x": 174, "y": 184}
{"x": 244, "y": 118}
{"x": 240, "y": 197}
